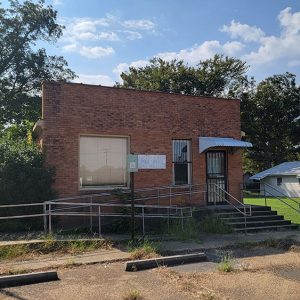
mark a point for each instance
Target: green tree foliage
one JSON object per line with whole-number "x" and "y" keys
{"x": 23, "y": 176}
{"x": 212, "y": 77}
{"x": 271, "y": 120}
{"x": 23, "y": 65}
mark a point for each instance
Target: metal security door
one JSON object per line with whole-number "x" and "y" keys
{"x": 216, "y": 176}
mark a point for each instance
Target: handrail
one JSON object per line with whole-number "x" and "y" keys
{"x": 278, "y": 191}
{"x": 230, "y": 203}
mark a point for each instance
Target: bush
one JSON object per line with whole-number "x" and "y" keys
{"x": 23, "y": 178}
{"x": 213, "y": 224}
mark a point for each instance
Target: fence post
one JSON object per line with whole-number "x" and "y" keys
{"x": 50, "y": 219}
{"x": 45, "y": 216}
{"x": 91, "y": 217}
{"x": 143, "y": 214}
{"x": 99, "y": 221}
{"x": 181, "y": 219}
{"x": 265, "y": 194}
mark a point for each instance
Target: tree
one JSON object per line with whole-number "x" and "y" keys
{"x": 271, "y": 120}
{"x": 211, "y": 77}
{"x": 23, "y": 27}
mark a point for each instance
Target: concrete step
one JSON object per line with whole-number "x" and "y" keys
{"x": 230, "y": 209}
{"x": 259, "y": 223}
{"x": 254, "y": 213}
{"x": 267, "y": 228}
{"x": 252, "y": 218}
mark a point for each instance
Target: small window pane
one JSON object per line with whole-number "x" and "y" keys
{"x": 182, "y": 161}
{"x": 279, "y": 180}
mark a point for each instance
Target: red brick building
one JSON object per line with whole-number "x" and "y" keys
{"x": 87, "y": 132}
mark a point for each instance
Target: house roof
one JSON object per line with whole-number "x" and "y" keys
{"x": 286, "y": 168}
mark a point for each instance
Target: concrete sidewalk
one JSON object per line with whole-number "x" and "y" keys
{"x": 205, "y": 242}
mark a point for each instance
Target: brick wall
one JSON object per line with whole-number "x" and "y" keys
{"x": 150, "y": 119}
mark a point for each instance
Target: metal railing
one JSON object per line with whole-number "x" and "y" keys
{"x": 263, "y": 190}
{"x": 169, "y": 202}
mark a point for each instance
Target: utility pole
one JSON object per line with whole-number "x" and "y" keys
{"x": 132, "y": 205}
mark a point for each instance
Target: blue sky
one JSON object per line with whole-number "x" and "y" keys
{"x": 103, "y": 38}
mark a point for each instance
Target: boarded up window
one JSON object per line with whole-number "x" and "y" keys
{"x": 103, "y": 161}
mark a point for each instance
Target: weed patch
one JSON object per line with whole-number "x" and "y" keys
{"x": 51, "y": 246}
{"x": 142, "y": 250}
{"x": 188, "y": 230}
{"x": 133, "y": 295}
{"x": 214, "y": 224}
{"x": 226, "y": 264}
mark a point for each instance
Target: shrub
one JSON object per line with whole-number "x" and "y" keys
{"x": 142, "y": 250}
{"x": 213, "y": 224}
{"x": 189, "y": 230}
{"x": 226, "y": 264}
{"x": 133, "y": 295}
{"x": 23, "y": 179}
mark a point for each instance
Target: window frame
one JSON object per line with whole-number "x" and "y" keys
{"x": 189, "y": 162}
{"x": 279, "y": 181}
{"x": 103, "y": 187}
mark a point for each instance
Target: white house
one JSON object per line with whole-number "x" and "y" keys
{"x": 281, "y": 179}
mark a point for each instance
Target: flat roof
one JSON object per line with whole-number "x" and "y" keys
{"x": 137, "y": 90}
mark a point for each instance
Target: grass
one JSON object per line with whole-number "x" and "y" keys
{"x": 213, "y": 224}
{"x": 226, "y": 264}
{"x": 142, "y": 250}
{"x": 51, "y": 246}
{"x": 189, "y": 230}
{"x": 277, "y": 205}
{"x": 133, "y": 295}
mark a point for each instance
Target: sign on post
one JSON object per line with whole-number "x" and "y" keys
{"x": 151, "y": 161}
{"x": 132, "y": 163}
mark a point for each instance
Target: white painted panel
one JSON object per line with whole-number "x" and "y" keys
{"x": 151, "y": 161}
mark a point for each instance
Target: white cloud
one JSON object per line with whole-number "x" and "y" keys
{"x": 123, "y": 67}
{"x": 89, "y": 52}
{"x": 243, "y": 31}
{"x": 204, "y": 51}
{"x": 108, "y": 36}
{"x": 94, "y": 79}
{"x": 139, "y": 24}
{"x": 57, "y": 2}
{"x": 284, "y": 47}
{"x": 132, "y": 35}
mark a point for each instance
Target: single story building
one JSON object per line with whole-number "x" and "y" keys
{"x": 87, "y": 132}
{"x": 283, "y": 179}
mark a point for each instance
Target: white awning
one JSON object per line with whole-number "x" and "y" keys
{"x": 210, "y": 142}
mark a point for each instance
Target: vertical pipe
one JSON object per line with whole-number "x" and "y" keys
{"x": 143, "y": 214}
{"x": 181, "y": 219}
{"x": 91, "y": 217}
{"x": 45, "y": 217}
{"x": 50, "y": 219}
{"x": 99, "y": 221}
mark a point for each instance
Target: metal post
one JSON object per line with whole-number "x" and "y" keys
{"x": 45, "y": 217}
{"x": 265, "y": 195}
{"x": 91, "y": 217}
{"x": 170, "y": 200}
{"x": 190, "y": 195}
{"x": 181, "y": 219}
{"x": 99, "y": 221}
{"x": 50, "y": 219}
{"x": 132, "y": 204}
{"x": 143, "y": 214}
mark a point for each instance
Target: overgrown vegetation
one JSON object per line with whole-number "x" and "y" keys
{"x": 142, "y": 249}
{"x": 51, "y": 246}
{"x": 133, "y": 295}
{"x": 186, "y": 229}
{"x": 226, "y": 264}
{"x": 213, "y": 224}
{"x": 23, "y": 179}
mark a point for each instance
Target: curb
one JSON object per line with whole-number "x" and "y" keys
{"x": 30, "y": 278}
{"x": 136, "y": 265}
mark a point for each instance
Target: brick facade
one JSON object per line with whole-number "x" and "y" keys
{"x": 150, "y": 119}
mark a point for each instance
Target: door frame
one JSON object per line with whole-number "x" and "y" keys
{"x": 225, "y": 176}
